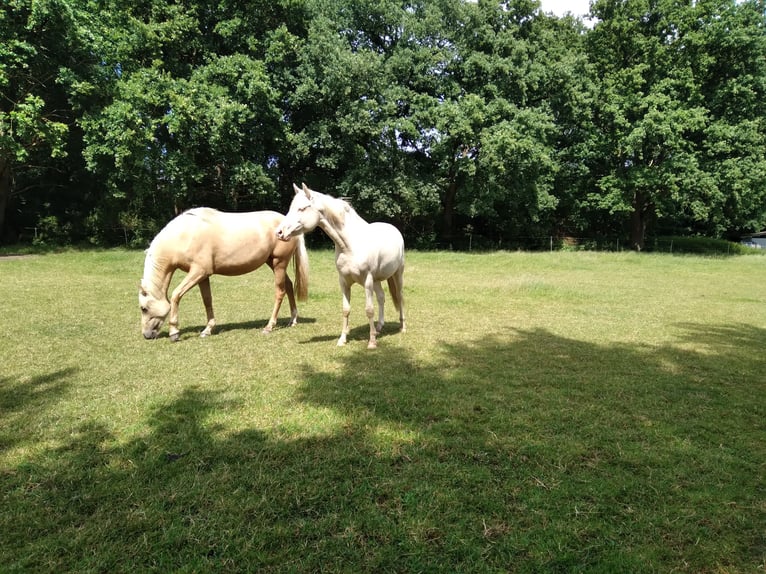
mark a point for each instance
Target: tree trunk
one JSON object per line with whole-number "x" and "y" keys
{"x": 5, "y": 192}
{"x": 449, "y": 209}
{"x": 638, "y": 221}
{"x": 450, "y": 196}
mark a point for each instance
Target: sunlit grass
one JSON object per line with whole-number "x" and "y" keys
{"x": 544, "y": 412}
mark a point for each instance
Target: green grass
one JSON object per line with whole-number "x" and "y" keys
{"x": 554, "y": 412}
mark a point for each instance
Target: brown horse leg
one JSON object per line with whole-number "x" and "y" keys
{"x": 291, "y": 300}
{"x": 192, "y": 278}
{"x": 280, "y": 280}
{"x": 207, "y": 299}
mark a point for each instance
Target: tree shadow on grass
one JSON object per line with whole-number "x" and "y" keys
{"x": 22, "y": 401}
{"x": 523, "y": 452}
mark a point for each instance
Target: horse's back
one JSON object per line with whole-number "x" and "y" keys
{"x": 221, "y": 242}
{"x": 388, "y": 239}
{"x": 388, "y": 249}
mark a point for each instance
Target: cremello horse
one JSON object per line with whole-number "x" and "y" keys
{"x": 365, "y": 253}
{"x": 204, "y": 242}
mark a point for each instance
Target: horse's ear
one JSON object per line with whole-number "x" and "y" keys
{"x": 307, "y": 191}
{"x": 297, "y": 189}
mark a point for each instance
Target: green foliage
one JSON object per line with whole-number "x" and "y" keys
{"x": 438, "y": 115}
{"x": 702, "y": 246}
{"x": 660, "y": 112}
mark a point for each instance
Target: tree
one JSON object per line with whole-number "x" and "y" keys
{"x": 664, "y": 120}
{"x": 729, "y": 44}
{"x": 648, "y": 112}
{"x": 33, "y": 121}
{"x": 191, "y": 120}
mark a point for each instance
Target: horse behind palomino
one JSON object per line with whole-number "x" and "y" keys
{"x": 204, "y": 242}
{"x": 365, "y": 253}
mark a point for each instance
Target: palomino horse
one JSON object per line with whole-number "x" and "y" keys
{"x": 365, "y": 253}
{"x": 203, "y": 242}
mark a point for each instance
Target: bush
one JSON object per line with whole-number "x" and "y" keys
{"x": 701, "y": 246}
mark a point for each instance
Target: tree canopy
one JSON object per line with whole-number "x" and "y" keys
{"x": 445, "y": 117}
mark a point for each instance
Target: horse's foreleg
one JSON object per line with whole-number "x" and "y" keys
{"x": 381, "y": 304}
{"x": 345, "y": 290}
{"x": 207, "y": 299}
{"x": 191, "y": 279}
{"x": 371, "y": 287}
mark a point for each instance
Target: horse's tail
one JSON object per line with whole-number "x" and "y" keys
{"x": 395, "y": 286}
{"x": 301, "y": 261}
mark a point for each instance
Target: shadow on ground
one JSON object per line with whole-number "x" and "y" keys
{"x": 523, "y": 452}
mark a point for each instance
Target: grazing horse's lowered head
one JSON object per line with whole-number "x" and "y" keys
{"x": 154, "y": 311}
{"x": 152, "y": 299}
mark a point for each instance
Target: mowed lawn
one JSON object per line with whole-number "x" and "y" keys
{"x": 545, "y": 412}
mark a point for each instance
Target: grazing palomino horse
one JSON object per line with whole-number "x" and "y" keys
{"x": 203, "y": 242}
{"x": 365, "y": 253}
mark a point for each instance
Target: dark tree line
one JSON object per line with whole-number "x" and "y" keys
{"x": 442, "y": 116}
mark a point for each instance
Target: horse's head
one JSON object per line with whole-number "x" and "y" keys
{"x": 153, "y": 312}
{"x": 303, "y": 216}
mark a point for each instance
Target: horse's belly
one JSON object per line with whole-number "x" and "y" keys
{"x": 355, "y": 270}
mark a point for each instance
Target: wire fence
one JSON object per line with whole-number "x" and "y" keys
{"x": 140, "y": 238}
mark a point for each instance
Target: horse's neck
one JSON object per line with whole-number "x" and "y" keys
{"x": 344, "y": 230}
{"x": 157, "y": 276}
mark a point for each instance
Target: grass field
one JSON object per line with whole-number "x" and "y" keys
{"x": 552, "y": 412}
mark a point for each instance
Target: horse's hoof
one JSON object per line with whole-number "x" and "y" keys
{"x": 266, "y": 332}
{"x": 372, "y": 345}
{"x": 203, "y": 335}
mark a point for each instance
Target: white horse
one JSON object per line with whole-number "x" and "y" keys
{"x": 365, "y": 253}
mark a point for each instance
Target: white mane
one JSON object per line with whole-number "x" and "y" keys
{"x": 148, "y": 266}
{"x": 151, "y": 279}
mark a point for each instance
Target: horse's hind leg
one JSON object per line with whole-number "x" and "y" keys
{"x": 207, "y": 299}
{"x": 282, "y": 286}
{"x": 396, "y": 288}
{"x": 291, "y": 300}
